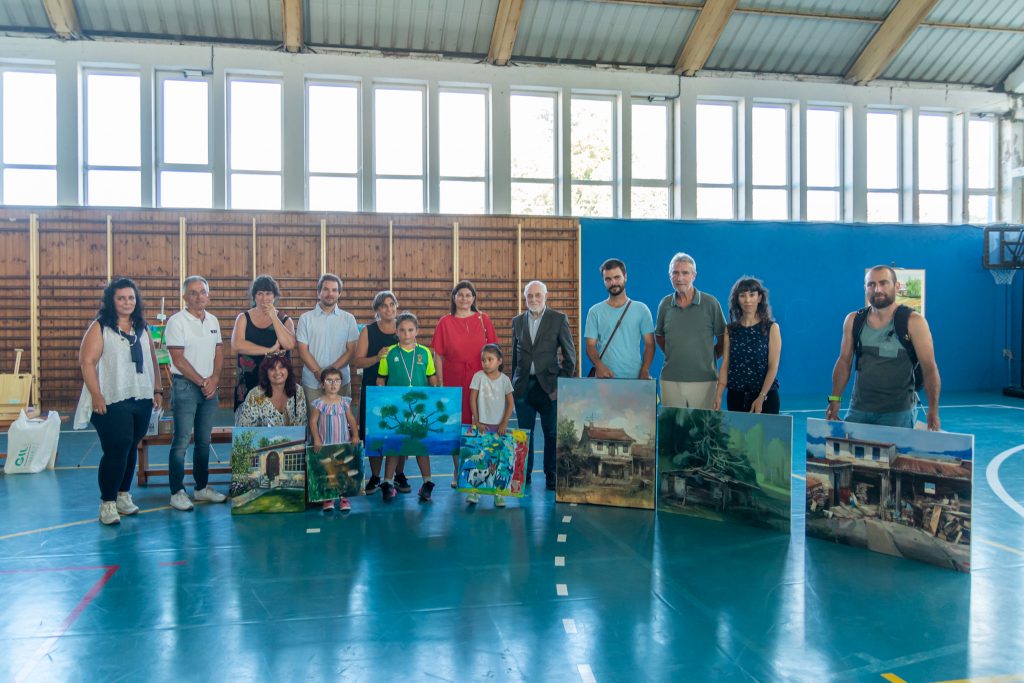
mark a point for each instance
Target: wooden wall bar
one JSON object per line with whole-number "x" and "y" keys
{"x": 422, "y": 255}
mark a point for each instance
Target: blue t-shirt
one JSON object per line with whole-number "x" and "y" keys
{"x": 625, "y": 354}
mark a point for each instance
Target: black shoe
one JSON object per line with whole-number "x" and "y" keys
{"x": 426, "y": 490}
{"x": 372, "y": 484}
{"x": 529, "y": 480}
{"x": 550, "y": 485}
{"x": 402, "y": 483}
{"x": 387, "y": 491}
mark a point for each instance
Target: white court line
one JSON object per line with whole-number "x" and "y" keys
{"x": 566, "y": 519}
{"x": 992, "y": 474}
{"x": 572, "y": 505}
{"x": 586, "y": 674}
{"x": 562, "y": 589}
{"x": 562, "y": 538}
{"x": 312, "y": 531}
{"x": 569, "y": 625}
{"x": 798, "y": 476}
{"x": 1003, "y": 547}
{"x": 559, "y": 561}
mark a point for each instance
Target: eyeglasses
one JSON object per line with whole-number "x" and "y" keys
{"x": 277, "y": 354}
{"x": 336, "y": 380}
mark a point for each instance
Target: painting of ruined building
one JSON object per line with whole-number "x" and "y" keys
{"x": 268, "y": 470}
{"x": 606, "y": 442}
{"x": 725, "y": 466}
{"x": 897, "y": 491}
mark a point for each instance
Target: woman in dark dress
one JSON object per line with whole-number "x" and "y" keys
{"x": 258, "y": 331}
{"x": 751, "y": 350}
{"x": 374, "y": 339}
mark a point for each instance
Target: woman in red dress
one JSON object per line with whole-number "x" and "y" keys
{"x": 458, "y": 339}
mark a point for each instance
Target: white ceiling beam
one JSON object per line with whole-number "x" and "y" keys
{"x": 63, "y": 18}
{"x": 506, "y": 26}
{"x": 704, "y": 36}
{"x": 890, "y": 37}
{"x": 291, "y": 23}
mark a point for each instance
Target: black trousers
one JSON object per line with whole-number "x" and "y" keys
{"x": 120, "y": 431}
{"x": 740, "y": 401}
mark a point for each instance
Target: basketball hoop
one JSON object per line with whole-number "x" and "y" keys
{"x": 1003, "y": 276}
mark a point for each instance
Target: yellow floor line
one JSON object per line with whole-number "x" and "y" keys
{"x": 893, "y": 678}
{"x": 91, "y": 520}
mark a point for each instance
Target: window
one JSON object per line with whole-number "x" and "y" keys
{"x": 399, "y": 149}
{"x": 294, "y": 462}
{"x": 716, "y": 160}
{"x": 113, "y": 139}
{"x": 933, "y": 167}
{"x": 593, "y": 156}
{"x": 332, "y": 137}
{"x": 982, "y": 139}
{"x": 463, "y": 144}
{"x": 28, "y": 142}
{"x": 770, "y": 162}
{"x": 651, "y": 189}
{"x": 533, "y": 142}
{"x": 184, "y": 169}
{"x": 824, "y": 149}
{"x": 883, "y": 166}
{"x": 254, "y": 144}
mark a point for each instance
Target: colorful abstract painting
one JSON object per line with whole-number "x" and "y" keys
{"x": 334, "y": 471}
{"x": 413, "y": 420}
{"x": 606, "y": 442}
{"x": 902, "y": 492}
{"x": 268, "y": 470}
{"x": 492, "y": 464}
{"x": 725, "y": 466}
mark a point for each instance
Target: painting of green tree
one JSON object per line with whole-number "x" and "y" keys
{"x": 413, "y": 420}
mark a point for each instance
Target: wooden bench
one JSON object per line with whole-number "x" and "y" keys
{"x": 144, "y": 471}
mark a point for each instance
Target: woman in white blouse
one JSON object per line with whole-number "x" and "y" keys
{"x": 277, "y": 401}
{"x": 121, "y": 389}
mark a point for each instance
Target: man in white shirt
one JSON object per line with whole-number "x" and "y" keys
{"x": 326, "y": 337}
{"x": 193, "y": 338}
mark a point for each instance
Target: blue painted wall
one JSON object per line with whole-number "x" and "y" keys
{"x": 815, "y": 273}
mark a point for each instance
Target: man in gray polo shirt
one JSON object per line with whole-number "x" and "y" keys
{"x": 689, "y": 330}
{"x": 326, "y": 337}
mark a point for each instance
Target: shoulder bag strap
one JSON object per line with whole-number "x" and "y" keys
{"x": 616, "y": 329}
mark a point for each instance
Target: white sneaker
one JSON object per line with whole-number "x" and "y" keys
{"x": 108, "y": 512}
{"x": 208, "y": 495}
{"x": 472, "y": 498}
{"x": 125, "y": 504}
{"x": 499, "y": 501}
{"x": 180, "y": 501}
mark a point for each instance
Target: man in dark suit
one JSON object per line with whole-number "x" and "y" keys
{"x": 537, "y": 335}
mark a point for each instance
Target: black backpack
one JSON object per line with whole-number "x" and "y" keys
{"x": 901, "y": 325}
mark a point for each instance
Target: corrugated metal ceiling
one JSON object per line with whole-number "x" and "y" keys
{"x": 939, "y": 55}
{"x": 1003, "y": 13}
{"x": 27, "y": 13}
{"x": 874, "y": 9}
{"x": 236, "y": 20}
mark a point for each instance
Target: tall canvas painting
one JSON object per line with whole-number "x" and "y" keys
{"x": 902, "y": 492}
{"x": 492, "y": 464}
{"x": 268, "y": 470}
{"x": 413, "y": 420}
{"x": 606, "y": 442}
{"x": 334, "y": 471}
{"x": 910, "y": 291}
{"x": 726, "y": 466}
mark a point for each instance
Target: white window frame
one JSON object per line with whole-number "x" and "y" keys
{"x": 992, "y": 191}
{"x": 556, "y": 180}
{"x": 787, "y": 185}
{"x": 8, "y": 68}
{"x": 486, "y": 178}
{"x": 840, "y": 110}
{"x": 144, "y": 112}
{"x": 737, "y": 150}
{"x": 616, "y": 181}
{"x": 666, "y": 184}
{"x": 228, "y": 104}
{"x": 158, "y": 136}
{"x": 423, "y": 176}
{"x": 948, "y": 192}
{"x": 357, "y": 175}
{"x": 899, "y": 189}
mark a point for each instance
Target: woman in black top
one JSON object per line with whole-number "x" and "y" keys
{"x": 751, "y": 350}
{"x": 374, "y": 339}
{"x": 259, "y": 331}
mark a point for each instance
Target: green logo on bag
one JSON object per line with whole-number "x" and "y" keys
{"x": 20, "y": 459}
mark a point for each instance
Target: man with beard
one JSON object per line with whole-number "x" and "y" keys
{"x": 616, "y": 328}
{"x": 888, "y": 343}
{"x": 326, "y": 337}
{"x": 537, "y": 336}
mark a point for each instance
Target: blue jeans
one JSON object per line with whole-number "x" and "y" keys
{"x": 528, "y": 407}
{"x": 192, "y": 413}
{"x": 903, "y": 418}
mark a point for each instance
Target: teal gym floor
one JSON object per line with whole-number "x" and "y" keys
{"x": 534, "y": 592}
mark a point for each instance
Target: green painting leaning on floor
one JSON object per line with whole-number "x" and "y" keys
{"x": 334, "y": 471}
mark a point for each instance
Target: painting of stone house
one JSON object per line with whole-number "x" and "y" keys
{"x": 268, "y": 469}
{"x": 606, "y": 442}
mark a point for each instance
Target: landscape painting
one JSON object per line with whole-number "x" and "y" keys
{"x": 902, "y": 492}
{"x": 911, "y": 288}
{"x": 726, "y": 466}
{"x": 413, "y": 420}
{"x": 492, "y": 464}
{"x": 335, "y": 471}
{"x": 606, "y": 442}
{"x": 268, "y": 470}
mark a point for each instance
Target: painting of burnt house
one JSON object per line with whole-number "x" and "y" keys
{"x": 606, "y": 442}
{"x": 723, "y": 466}
{"x": 901, "y": 492}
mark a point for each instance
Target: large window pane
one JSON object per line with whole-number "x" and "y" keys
{"x": 981, "y": 159}
{"x": 114, "y": 188}
{"x": 822, "y": 205}
{"x": 328, "y": 193}
{"x": 883, "y": 150}
{"x": 770, "y": 146}
{"x": 400, "y": 196}
{"x": 592, "y": 200}
{"x": 462, "y": 131}
{"x": 981, "y": 209}
{"x": 333, "y": 130}
{"x": 933, "y": 151}
{"x": 186, "y": 122}
{"x": 255, "y": 127}
{"x": 398, "y": 134}
{"x": 252, "y": 191}
{"x": 592, "y": 133}
{"x": 716, "y": 125}
{"x": 29, "y": 118}
{"x": 715, "y": 202}
{"x": 532, "y": 136}
{"x": 933, "y": 208}
{"x": 30, "y": 186}
{"x": 883, "y": 207}
{"x": 650, "y": 142}
{"x": 186, "y": 189}
{"x": 463, "y": 196}
{"x": 113, "y": 121}
{"x": 649, "y": 202}
{"x": 535, "y": 199}
{"x": 770, "y": 205}
{"x": 823, "y": 145}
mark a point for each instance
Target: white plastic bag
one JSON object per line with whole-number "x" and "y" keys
{"x": 154, "y": 422}
{"x": 32, "y": 444}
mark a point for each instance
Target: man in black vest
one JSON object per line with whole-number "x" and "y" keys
{"x": 888, "y": 342}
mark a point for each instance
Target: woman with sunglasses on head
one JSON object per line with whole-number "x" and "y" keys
{"x": 278, "y": 400}
{"x": 751, "y": 350}
{"x": 259, "y": 331}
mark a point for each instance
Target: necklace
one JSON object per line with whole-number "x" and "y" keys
{"x": 408, "y": 369}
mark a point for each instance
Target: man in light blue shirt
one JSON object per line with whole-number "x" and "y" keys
{"x": 627, "y": 355}
{"x": 326, "y": 336}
